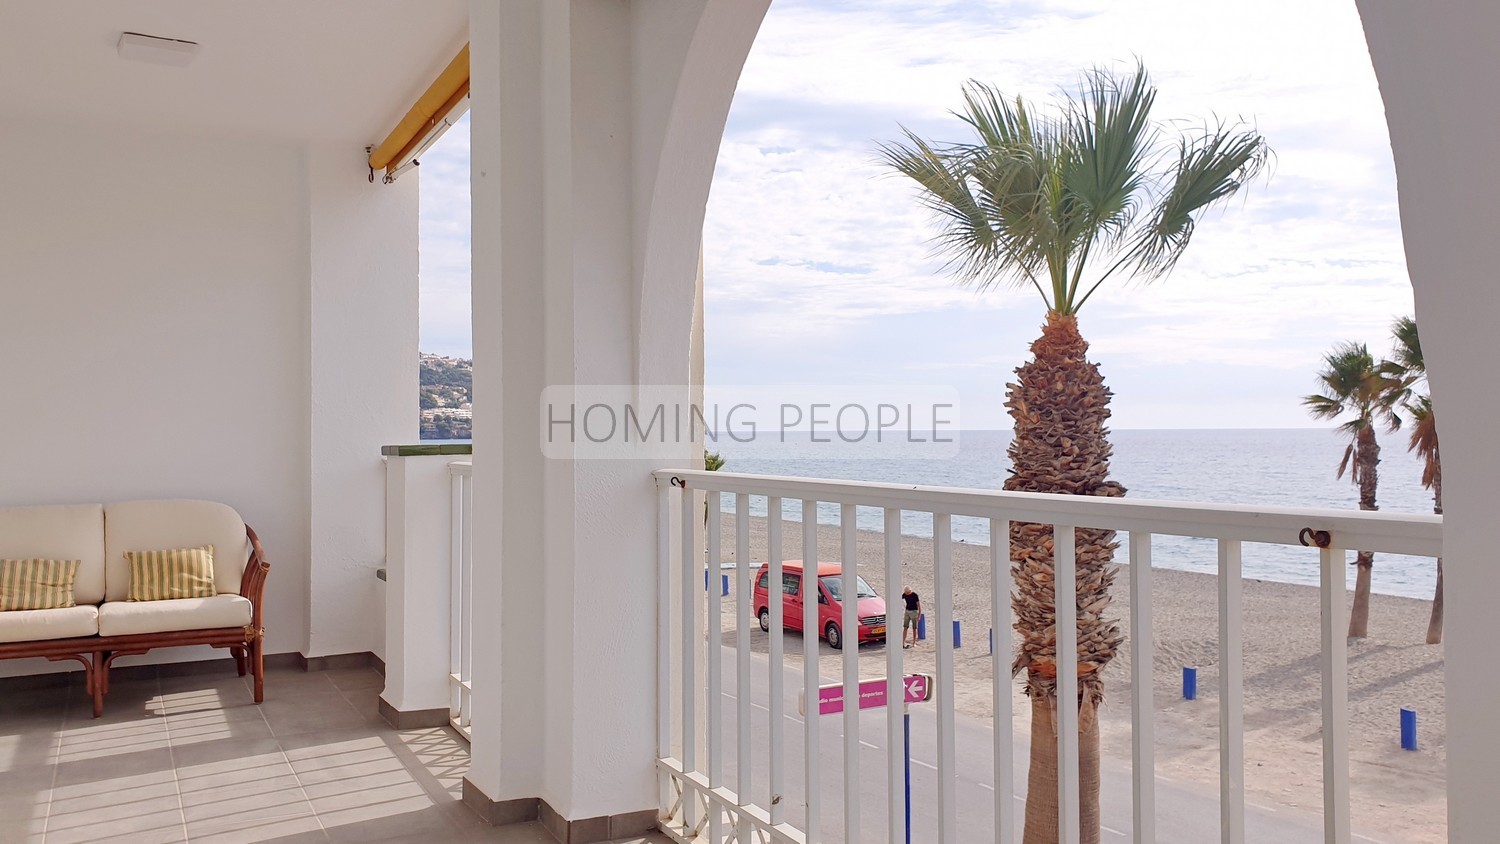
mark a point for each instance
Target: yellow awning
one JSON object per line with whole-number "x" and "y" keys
{"x": 427, "y": 119}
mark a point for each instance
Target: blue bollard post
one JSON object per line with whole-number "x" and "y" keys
{"x": 725, "y": 578}
{"x": 705, "y": 580}
{"x": 1408, "y": 729}
{"x": 992, "y": 641}
{"x": 1189, "y": 683}
{"x": 958, "y": 636}
{"x": 922, "y": 627}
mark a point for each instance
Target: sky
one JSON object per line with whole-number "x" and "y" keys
{"x": 818, "y": 262}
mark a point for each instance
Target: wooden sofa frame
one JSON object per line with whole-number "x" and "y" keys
{"x": 97, "y": 653}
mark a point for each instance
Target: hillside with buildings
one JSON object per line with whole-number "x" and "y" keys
{"x": 446, "y": 397}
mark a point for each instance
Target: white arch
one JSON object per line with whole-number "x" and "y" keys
{"x": 689, "y": 94}
{"x": 1438, "y": 70}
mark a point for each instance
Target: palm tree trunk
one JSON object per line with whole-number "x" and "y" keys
{"x": 1061, "y": 445}
{"x": 1435, "y": 624}
{"x": 1041, "y": 780}
{"x": 1359, "y": 614}
{"x": 1367, "y": 454}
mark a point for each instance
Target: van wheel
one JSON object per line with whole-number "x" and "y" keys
{"x": 765, "y": 619}
{"x": 835, "y": 639}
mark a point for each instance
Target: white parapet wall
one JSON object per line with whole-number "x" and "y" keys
{"x": 419, "y": 547}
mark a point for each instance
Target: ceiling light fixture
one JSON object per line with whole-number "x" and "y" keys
{"x": 154, "y": 49}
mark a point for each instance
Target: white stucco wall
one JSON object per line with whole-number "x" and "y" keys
{"x": 211, "y": 317}
{"x": 364, "y": 382}
{"x": 153, "y": 324}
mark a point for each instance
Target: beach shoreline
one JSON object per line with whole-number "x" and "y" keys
{"x": 1395, "y": 795}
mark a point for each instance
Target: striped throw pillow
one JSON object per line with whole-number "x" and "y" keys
{"x": 174, "y": 573}
{"x": 37, "y": 584}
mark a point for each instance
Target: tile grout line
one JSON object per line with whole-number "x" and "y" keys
{"x": 62, "y": 727}
{"x": 343, "y": 693}
{"x": 293, "y": 768}
{"x": 166, "y": 724}
{"x": 302, "y": 788}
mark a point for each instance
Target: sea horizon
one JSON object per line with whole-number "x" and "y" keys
{"x": 1283, "y": 467}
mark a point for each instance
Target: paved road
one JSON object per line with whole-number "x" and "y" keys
{"x": 1186, "y": 814}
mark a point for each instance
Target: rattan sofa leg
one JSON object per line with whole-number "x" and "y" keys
{"x": 90, "y": 676}
{"x": 258, "y": 667}
{"x": 239, "y": 659}
{"x": 104, "y": 661}
{"x": 98, "y": 683}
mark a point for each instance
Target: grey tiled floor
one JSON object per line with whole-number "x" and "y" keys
{"x": 192, "y": 758}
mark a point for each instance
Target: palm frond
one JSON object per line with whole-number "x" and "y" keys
{"x": 1210, "y": 168}
{"x": 1015, "y": 175}
{"x": 1407, "y": 352}
{"x": 966, "y": 239}
{"x": 1323, "y": 407}
{"x": 1423, "y": 439}
{"x": 1403, "y": 372}
{"x": 1066, "y": 199}
{"x": 1112, "y": 136}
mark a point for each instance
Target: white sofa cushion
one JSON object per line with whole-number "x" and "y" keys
{"x": 35, "y": 625}
{"x": 126, "y": 618}
{"x": 157, "y": 525}
{"x": 60, "y": 532}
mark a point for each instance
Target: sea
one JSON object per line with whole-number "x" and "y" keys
{"x": 1280, "y": 467}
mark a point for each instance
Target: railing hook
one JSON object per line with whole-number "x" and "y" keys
{"x": 679, "y": 482}
{"x": 1310, "y": 537}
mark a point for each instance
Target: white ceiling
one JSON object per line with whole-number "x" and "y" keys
{"x": 342, "y": 70}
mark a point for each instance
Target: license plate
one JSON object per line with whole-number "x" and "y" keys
{"x": 877, "y": 631}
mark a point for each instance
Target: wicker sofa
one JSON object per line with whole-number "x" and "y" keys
{"x": 103, "y": 625}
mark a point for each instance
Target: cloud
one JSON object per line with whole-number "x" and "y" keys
{"x": 444, "y": 231}
{"x": 819, "y": 266}
{"x": 1309, "y": 257}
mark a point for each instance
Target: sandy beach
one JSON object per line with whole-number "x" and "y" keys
{"x": 1397, "y": 795}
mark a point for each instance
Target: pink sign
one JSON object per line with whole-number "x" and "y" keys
{"x": 872, "y": 694}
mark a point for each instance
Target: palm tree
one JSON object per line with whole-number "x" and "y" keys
{"x": 712, "y": 462}
{"x": 1061, "y": 202}
{"x": 1409, "y": 365}
{"x": 1353, "y": 383}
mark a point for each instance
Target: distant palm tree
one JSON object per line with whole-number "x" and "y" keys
{"x": 1409, "y": 365}
{"x": 1061, "y": 202}
{"x": 713, "y": 462}
{"x": 1353, "y": 383}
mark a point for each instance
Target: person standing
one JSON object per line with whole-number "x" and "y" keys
{"x": 911, "y": 616}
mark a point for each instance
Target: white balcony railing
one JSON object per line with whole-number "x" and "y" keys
{"x": 702, "y": 803}
{"x": 461, "y": 601}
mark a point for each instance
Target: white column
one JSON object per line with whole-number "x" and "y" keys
{"x": 577, "y": 280}
{"x": 1437, "y": 71}
{"x": 507, "y": 149}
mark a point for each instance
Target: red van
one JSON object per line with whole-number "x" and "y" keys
{"x": 871, "y": 607}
